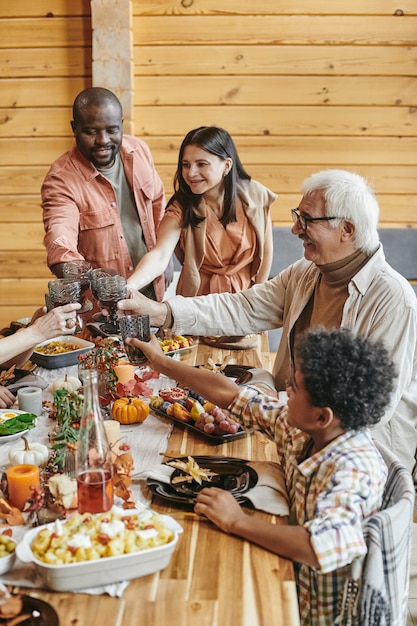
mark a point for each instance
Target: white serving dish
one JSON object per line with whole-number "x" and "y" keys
{"x": 101, "y": 571}
{"x": 6, "y": 414}
{"x": 54, "y": 361}
{"x": 7, "y": 562}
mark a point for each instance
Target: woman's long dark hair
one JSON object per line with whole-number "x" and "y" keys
{"x": 219, "y": 142}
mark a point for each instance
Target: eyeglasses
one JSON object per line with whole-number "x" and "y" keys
{"x": 304, "y": 220}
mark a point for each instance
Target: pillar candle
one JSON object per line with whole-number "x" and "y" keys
{"x": 112, "y": 428}
{"x": 20, "y": 479}
{"x": 124, "y": 372}
{"x": 30, "y": 400}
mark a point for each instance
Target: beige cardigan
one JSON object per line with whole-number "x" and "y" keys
{"x": 256, "y": 201}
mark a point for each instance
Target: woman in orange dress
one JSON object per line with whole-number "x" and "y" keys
{"x": 217, "y": 222}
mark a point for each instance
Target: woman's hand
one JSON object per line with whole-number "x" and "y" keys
{"x": 7, "y": 399}
{"x": 59, "y": 321}
{"x": 220, "y": 507}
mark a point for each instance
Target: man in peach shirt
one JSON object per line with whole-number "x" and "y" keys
{"x": 102, "y": 200}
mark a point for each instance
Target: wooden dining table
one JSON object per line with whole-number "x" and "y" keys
{"x": 213, "y": 579}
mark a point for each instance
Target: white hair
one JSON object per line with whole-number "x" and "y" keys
{"x": 348, "y": 196}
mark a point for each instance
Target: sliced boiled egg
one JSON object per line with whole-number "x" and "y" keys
{"x": 7, "y": 416}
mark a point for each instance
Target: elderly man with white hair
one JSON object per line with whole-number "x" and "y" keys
{"x": 342, "y": 281}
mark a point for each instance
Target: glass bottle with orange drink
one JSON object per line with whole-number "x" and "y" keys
{"x": 94, "y": 467}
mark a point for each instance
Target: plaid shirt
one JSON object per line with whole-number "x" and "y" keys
{"x": 330, "y": 494}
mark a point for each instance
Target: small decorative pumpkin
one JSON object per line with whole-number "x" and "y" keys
{"x": 130, "y": 410}
{"x": 30, "y": 454}
{"x": 70, "y": 383}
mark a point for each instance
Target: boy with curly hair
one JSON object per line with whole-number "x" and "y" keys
{"x": 334, "y": 474}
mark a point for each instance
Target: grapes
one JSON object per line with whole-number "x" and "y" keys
{"x": 233, "y": 428}
{"x": 220, "y": 424}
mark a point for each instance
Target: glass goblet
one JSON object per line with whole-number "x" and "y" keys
{"x": 78, "y": 270}
{"x": 100, "y": 272}
{"x": 111, "y": 289}
{"x": 63, "y": 291}
{"x": 135, "y": 326}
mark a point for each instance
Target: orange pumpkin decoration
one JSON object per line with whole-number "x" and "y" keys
{"x": 130, "y": 410}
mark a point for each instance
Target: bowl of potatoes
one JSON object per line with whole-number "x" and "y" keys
{"x": 7, "y": 553}
{"x": 92, "y": 550}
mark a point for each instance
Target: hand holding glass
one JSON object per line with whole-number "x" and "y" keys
{"x": 135, "y": 326}
{"x": 63, "y": 291}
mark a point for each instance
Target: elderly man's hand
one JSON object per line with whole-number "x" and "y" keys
{"x": 138, "y": 304}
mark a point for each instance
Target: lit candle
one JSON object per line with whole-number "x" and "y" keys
{"x": 20, "y": 479}
{"x": 112, "y": 428}
{"x": 124, "y": 371}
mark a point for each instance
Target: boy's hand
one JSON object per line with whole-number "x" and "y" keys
{"x": 151, "y": 349}
{"x": 220, "y": 507}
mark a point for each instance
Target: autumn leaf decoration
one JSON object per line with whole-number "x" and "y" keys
{"x": 137, "y": 386}
{"x": 10, "y": 514}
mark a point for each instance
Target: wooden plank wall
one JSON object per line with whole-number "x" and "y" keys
{"x": 45, "y": 60}
{"x": 301, "y": 86}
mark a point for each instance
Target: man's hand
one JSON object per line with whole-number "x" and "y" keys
{"x": 138, "y": 304}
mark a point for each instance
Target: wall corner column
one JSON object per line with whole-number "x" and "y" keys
{"x": 112, "y": 51}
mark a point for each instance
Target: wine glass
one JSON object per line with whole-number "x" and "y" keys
{"x": 100, "y": 272}
{"x": 78, "y": 270}
{"x": 111, "y": 289}
{"x": 64, "y": 291}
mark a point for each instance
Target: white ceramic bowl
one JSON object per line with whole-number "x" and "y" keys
{"x": 7, "y": 562}
{"x": 102, "y": 571}
{"x": 54, "y": 361}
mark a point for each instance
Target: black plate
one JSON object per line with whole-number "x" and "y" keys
{"x": 241, "y": 373}
{"x": 236, "y": 477}
{"x": 17, "y": 375}
{"x": 226, "y": 466}
{"x": 47, "y": 614}
{"x": 213, "y": 439}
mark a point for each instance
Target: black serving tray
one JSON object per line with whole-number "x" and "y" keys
{"x": 213, "y": 439}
